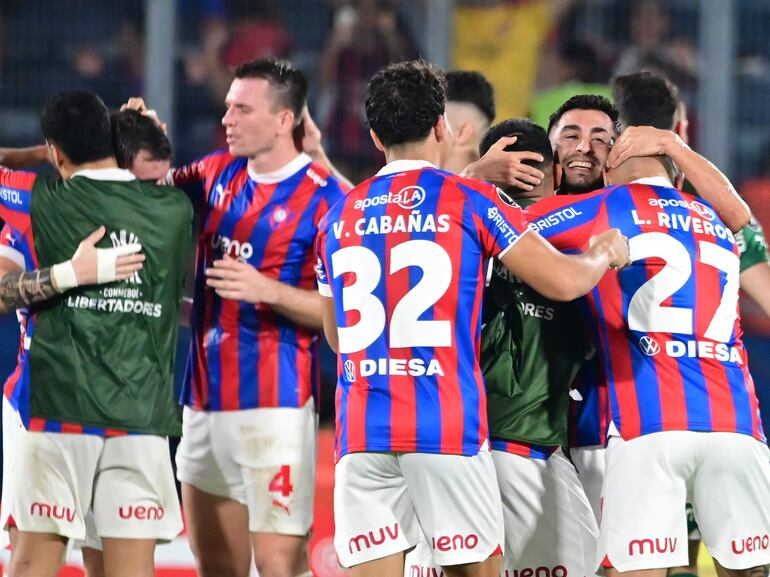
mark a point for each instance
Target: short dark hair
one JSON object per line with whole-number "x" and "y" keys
{"x": 473, "y": 88}
{"x": 529, "y": 137}
{"x": 289, "y": 83}
{"x": 78, "y": 123}
{"x": 404, "y": 101}
{"x": 646, "y": 99}
{"x": 132, "y": 131}
{"x": 584, "y": 102}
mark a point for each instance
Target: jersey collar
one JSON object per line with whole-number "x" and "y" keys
{"x": 292, "y": 167}
{"x": 113, "y": 174}
{"x": 654, "y": 181}
{"x": 403, "y": 166}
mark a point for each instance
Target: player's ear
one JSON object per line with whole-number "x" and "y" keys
{"x": 463, "y": 132}
{"x": 55, "y": 156}
{"x": 557, "y": 171}
{"x": 287, "y": 121}
{"x": 442, "y": 128}
{"x": 377, "y": 142}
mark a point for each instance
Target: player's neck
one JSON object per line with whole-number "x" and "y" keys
{"x": 271, "y": 160}
{"x": 68, "y": 169}
{"x": 427, "y": 150}
{"x": 636, "y": 168}
{"x": 460, "y": 158}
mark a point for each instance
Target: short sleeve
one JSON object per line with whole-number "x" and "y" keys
{"x": 322, "y": 277}
{"x": 15, "y": 197}
{"x": 499, "y": 220}
{"x": 9, "y": 243}
{"x": 197, "y": 177}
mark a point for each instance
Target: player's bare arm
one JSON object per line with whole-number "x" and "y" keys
{"x": 506, "y": 168}
{"x": 89, "y": 265}
{"x": 708, "y": 180}
{"x": 309, "y": 136}
{"x": 236, "y": 280}
{"x": 20, "y": 289}
{"x": 21, "y": 158}
{"x": 754, "y": 281}
{"x": 562, "y": 277}
{"x": 329, "y": 322}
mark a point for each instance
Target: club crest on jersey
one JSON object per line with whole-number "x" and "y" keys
{"x": 649, "y": 346}
{"x": 280, "y": 215}
{"x": 408, "y": 198}
{"x": 506, "y": 198}
{"x": 350, "y": 371}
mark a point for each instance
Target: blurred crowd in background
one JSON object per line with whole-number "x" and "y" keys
{"x": 536, "y": 53}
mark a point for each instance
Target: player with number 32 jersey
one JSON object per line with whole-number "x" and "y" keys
{"x": 412, "y": 384}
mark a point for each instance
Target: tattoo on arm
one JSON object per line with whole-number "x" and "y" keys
{"x": 19, "y": 289}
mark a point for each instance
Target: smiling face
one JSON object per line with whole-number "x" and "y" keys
{"x": 582, "y": 141}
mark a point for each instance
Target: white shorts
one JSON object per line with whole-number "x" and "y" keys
{"x": 11, "y": 427}
{"x": 589, "y": 462}
{"x": 726, "y": 477}
{"x": 548, "y": 520}
{"x": 262, "y": 458}
{"x": 385, "y": 503}
{"x": 126, "y": 481}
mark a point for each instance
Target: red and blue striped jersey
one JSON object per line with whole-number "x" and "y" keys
{"x": 667, "y": 327}
{"x": 404, "y": 257}
{"x": 15, "y": 247}
{"x": 529, "y": 450}
{"x": 246, "y": 356}
{"x": 17, "y": 244}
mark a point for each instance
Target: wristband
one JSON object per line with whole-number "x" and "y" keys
{"x": 106, "y": 260}
{"x": 63, "y": 275}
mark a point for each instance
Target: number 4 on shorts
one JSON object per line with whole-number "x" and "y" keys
{"x": 281, "y": 483}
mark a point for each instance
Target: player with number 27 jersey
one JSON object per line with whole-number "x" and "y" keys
{"x": 667, "y": 327}
{"x": 404, "y": 256}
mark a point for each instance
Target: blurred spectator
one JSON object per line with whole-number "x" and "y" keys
{"x": 756, "y": 191}
{"x": 367, "y": 35}
{"x": 653, "y": 48}
{"x": 231, "y": 32}
{"x": 575, "y": 68}
{"x": 502, "y": 40}
{"x": 253, "y": 30}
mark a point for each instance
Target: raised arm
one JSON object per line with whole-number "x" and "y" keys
{"x": 506, "y": 168}
{"x": 709, "y": 182}
{"x": 308, "y": 139}
{"x": 21, "y": 158}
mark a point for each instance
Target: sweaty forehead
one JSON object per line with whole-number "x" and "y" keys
{"x": 586, "y": 120}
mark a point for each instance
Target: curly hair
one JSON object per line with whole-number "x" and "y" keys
{"x": 404, "y": 101}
